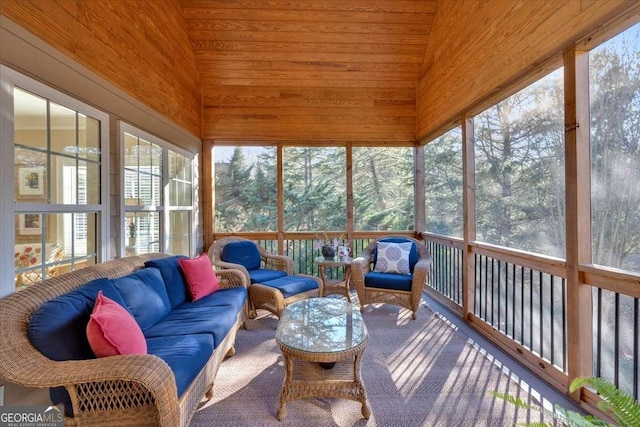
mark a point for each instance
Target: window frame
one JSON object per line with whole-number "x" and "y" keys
{"x": 10, "y": 79}
{"x": 164, "y": 209}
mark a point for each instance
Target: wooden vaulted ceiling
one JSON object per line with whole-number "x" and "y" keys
{"x": 309, "y": 69}
{"x": 384, "y": 72}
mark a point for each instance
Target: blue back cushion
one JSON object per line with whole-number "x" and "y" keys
{"x": 413, "y": 255}
{"x": 173, "y": 279}
{"x": 145, "y": 296}
{"x": 58, "y": 328}
{"x": 243, "y": 253}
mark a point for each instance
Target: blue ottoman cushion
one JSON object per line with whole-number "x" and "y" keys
{"x": 292, "y": 285}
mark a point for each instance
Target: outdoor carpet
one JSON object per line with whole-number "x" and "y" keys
{"x": 416, "y": 372}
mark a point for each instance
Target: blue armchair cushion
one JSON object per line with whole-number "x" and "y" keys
{"x": 292, "y": 285}
{"x": 172, "y": 276}
{"x": 413, "y": 254}
{"x": 145, "y": 296}
{"x": 398, "y": 282}
{"x": 262, "y": 275}
{"x": 243, "y": 253}
{"x": 186, "y": 355}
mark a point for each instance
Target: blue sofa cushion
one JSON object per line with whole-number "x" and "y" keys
{"x": 292, "y": 285}
{"x": 186, "y": 355}
{"x": 235, "y": 297}
{"x": 213, "y": 316}
{"x": 172, "y": 276}
{"x": 243, "y": 253}
{"x": 145, "y": 296}
{"x": 413, "y": 255}
{"x": 398, "y": 282}
{"x": 58, "y": 328}
{"x": 264, "y": 275}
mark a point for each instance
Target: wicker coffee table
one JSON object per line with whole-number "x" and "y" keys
{"x": 322, "y": 341}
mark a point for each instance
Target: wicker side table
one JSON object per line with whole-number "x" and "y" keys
{"x": 335, "y": 286}
{"x": 322, "y": 341}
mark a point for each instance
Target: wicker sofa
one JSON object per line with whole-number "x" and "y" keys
{"x": 131, "y": 390}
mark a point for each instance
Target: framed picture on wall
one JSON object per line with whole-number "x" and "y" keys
{"x": 31, "y": 181}
{"x": 30, "y": 224}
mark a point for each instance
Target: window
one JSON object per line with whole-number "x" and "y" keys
{"x": 383, "y": 188}
{"x": 519, "y": 161}
{"x": 443, "y": 184}
{"x": 58, "y": 211}
{"x": 245, "y": 189}
{"x": 158, "y": 195}
{"x": 315, "y": 195}
{"x": 614, "y": 92}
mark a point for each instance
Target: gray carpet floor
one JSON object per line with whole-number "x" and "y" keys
{"x": 416, "y": 372}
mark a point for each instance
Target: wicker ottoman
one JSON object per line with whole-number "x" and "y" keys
{"x": 275, "y": 295}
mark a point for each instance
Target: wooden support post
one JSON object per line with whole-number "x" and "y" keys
{"x": 349, "y": 183}
{"x": 419, "y": 191}
{"x": 208, "y": 193}
{"x": 578, "y": 213}
{"x": 280, "y": 197}
{"x": 469, "y": 217}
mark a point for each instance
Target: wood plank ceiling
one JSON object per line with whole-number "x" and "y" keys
{"x": 309, "y": 70}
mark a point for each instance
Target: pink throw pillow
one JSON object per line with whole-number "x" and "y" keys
{"x": 112, "y": 330}
{"x": 201, "y": 279}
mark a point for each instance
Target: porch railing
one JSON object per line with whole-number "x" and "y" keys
{"x": 521, "y": 298}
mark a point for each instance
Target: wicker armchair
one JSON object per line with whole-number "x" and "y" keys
{"x": 406, "y": 292}
{"x": 269, "y": 261}
{"x": 272, "y": 270}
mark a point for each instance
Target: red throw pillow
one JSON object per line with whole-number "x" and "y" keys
{"x": 201, "y": 279}
{"x": 112, "y": 330}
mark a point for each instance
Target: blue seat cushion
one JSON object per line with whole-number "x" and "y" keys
{"x": 398, "y": 282}
{"x": 172, "y": 276}
{"x": 145, "y": 296}
{"x": 214, "y": 316}
{"x": 186, "y": 355}
{"x": 264, "y": 275}
{"x": 58, "y": 328}
{"x": 235, "y": 297}
{"x": 245, "y": 253}
{"x": 292, "y": 285}
{"x": 413, "y": 254}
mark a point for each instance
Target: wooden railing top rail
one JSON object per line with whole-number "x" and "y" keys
{"x": 546, "y": 264}
{"x": 612, "y": 279}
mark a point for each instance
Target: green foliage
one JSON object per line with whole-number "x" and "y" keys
{"x": 621, "y": 406}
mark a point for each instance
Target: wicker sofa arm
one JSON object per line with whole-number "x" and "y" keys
{"x": 232, "y": 278}
{"x": 133, "y": 380}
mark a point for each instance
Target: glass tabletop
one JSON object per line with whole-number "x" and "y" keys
{"x": 333, "y": 262}
{"x": 321, "y": 325}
